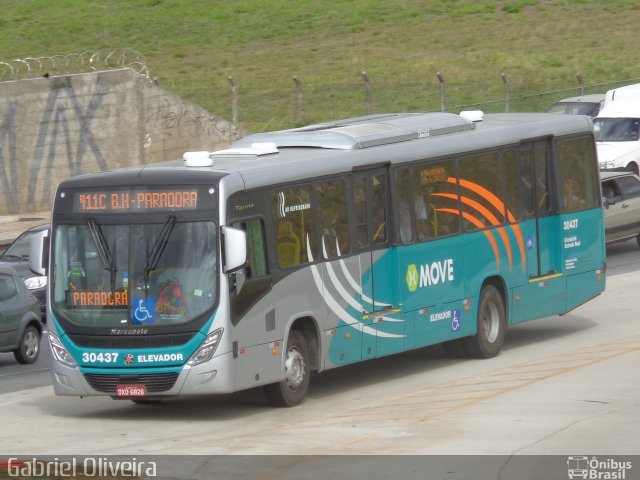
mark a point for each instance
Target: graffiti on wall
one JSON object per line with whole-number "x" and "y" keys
{"x": 54, "y": 138}
{"x": 8, "y": 158}
{"x": 54, "y": 128}
{"x": 169, "y": 116}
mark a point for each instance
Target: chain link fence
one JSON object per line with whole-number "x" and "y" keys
{"x": 277, "y": 106}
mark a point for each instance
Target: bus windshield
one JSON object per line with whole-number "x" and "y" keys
{"x": 110, "y": 275}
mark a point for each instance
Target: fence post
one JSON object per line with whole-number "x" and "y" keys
{"x": 443, "y": 98}
{"x": 507, "y": 97}
{"x": 580, "y": 83}
{"x": 234, "y": 102}
{"x": 299, "y": 105}
{"x": 367, "y": 91}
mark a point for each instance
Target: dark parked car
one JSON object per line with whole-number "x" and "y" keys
{"x": 621, "y": 198}
{"x": 20, "y": 323}
{"x": 17, "y": 257}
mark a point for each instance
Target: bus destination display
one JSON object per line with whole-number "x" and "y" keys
{"x": 137, "y": 200}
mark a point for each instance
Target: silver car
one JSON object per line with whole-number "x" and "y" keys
{"x": 582, "y": 105}
{"x": 20, "y": 324}
{"x": 621, "y": 200}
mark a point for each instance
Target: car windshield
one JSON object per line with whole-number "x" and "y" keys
{"x": 118, "y": 275}
{"x": 575, "y": 108}
{"x": 617, "y": 129}
{"x": 20, "y": 248}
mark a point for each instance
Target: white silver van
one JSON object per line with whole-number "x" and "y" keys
{"x": 617, "y": 130}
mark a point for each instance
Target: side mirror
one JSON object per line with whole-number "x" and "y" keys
{"x": 39, "y": 252}
{"x": 234, "y": 242}
{"x": 609, "y": 201}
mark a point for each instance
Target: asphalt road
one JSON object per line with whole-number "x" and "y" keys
{"x": 561, "y": 386}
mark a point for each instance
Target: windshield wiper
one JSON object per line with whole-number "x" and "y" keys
{"x": 154, "y": 255}
{"x": 108, "y": 261}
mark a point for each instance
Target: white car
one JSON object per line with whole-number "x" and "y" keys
{"x": 621, "y": 200}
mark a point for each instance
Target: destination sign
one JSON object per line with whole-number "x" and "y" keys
{"x": 97, "y": 299}
{"x": 136, "y": 200}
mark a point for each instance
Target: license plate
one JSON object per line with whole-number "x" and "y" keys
{"x": 131, "y": 391}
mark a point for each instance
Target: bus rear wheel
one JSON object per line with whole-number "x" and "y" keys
{"x": 297, "y": 372}
{"x": 492, "y": 325}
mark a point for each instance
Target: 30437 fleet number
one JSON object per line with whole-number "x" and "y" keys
{"x": 102, "y": 357}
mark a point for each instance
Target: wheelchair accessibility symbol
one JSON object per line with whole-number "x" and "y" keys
{"x": 455, "y": 320}
{"x": 144, "y": 311}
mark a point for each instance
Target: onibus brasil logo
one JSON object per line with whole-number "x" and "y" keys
{"x": 597, "y": 469}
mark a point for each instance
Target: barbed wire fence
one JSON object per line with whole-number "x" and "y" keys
{"x": 284, "y": 105}
{"x": 73, "y": 63}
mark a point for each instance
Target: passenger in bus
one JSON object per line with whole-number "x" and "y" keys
{"x": 404, "y": 217}
{"x": 572, "y": 200}
{"x": 288, "y": 245}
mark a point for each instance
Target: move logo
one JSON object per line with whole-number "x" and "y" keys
{"x": 426, "y": 275}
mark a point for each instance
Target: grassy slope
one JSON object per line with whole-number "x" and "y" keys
{"x": 192, "y": 46}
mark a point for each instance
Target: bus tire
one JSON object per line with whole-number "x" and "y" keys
{"x": 297, "y": 373}
{"x": 492, "y": 325}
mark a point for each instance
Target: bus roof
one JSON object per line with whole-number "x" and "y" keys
{"x": 340, "y": 146}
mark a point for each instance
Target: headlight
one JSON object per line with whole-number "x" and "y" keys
{"x": 33, "y": 283}
{"x": 207, "y": 349}
{"x": 60, "y": 353}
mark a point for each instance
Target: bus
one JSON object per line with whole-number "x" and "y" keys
{"x": 302, "y": 250}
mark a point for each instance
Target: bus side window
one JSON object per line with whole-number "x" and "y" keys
{"x": 360, "y": 202}
{"x": 579, "y": 186}
{"x": 436, "y": 200}
{"x": 288, "y": 245}
{"x": 526, "y": 181}
{"x": 512, "y": 194}
{"x": 481, "y": 183}
{"x": 334, "y": 224}
{"x": 256, "y": 265}
{"x": 543, "y": 201}
{"x": 405, "y": 205}
{"x": 379, "y": 209}
{"x": 295, "y": 226}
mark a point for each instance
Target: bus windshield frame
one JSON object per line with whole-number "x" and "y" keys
{"x": 125, "y": 258}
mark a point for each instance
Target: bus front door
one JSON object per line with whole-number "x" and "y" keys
{"x": 383, "y": 325}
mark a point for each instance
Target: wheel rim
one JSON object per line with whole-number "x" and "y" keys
{"x": 490, "y": 322}
{"x": 30, "y": 344}
{"x": 294, "y": 369}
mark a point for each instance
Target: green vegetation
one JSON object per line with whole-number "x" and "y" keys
{"x": 193, "y": 46}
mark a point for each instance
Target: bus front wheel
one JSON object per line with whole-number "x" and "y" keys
{"x": 297, "y": 371}
{"x": 492, "y": 325}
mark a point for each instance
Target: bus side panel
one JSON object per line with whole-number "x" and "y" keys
{"x": 581, "y": 240}
{"x": 583, "y": 256}
{"x": 431, "y": 277}
{"x": 346, "y": 337}
{"x": 571, "y": 246}
{"x": 261, "y": 334}
{"x": 583, "y": 287}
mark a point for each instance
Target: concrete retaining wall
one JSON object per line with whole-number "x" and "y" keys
{"x": 57, "y": 127}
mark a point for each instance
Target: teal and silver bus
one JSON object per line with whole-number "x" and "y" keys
{"x": 306, "y": 249}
